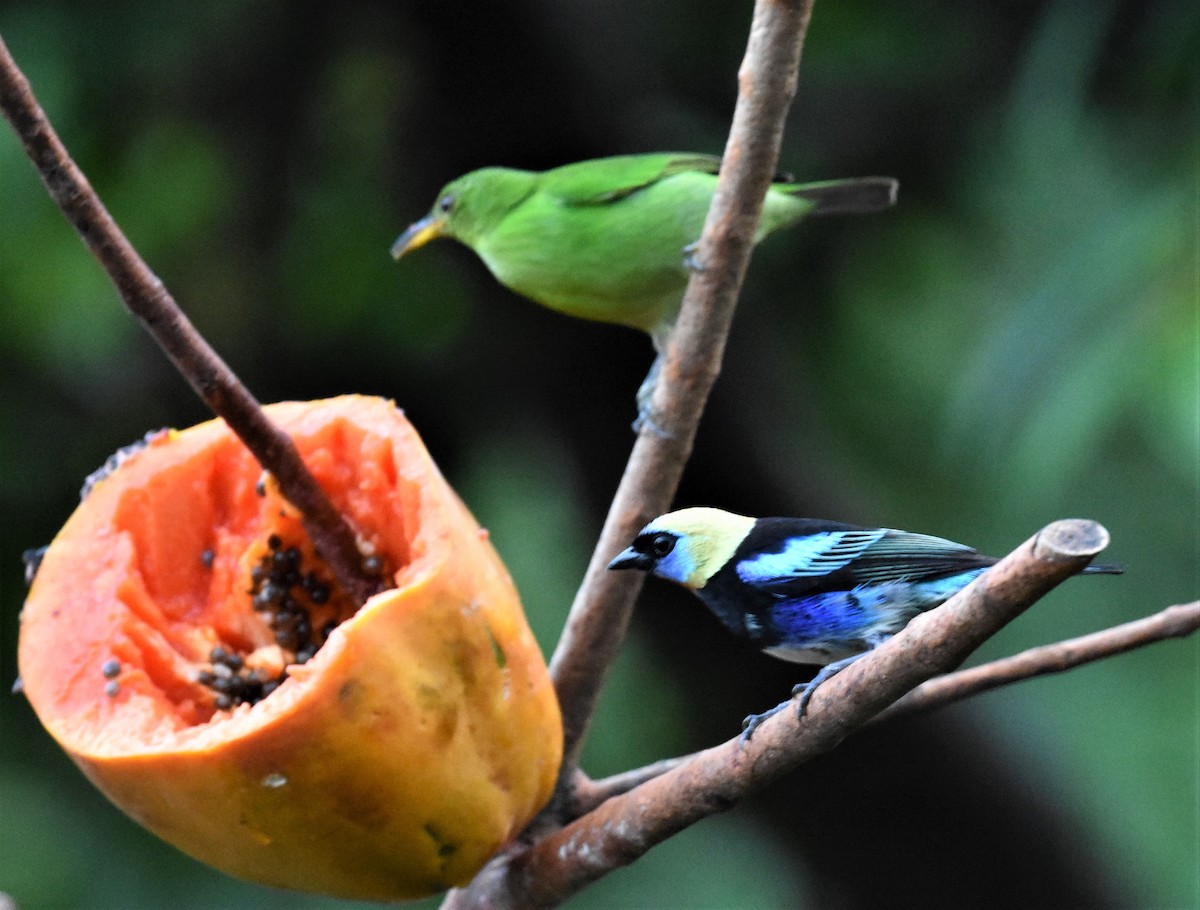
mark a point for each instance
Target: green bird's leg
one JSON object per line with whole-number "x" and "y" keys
{"x": 659, "y": 336}
{"x": 646, "y": 415}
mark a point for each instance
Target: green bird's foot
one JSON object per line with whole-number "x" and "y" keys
{"x": 691, "y": 261}
{"x": 645, "y": 419}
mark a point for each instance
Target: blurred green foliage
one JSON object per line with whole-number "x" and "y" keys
{"x": 1018, "y": 341}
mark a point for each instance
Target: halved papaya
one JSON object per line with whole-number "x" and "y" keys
{"x": 187, "y": 648}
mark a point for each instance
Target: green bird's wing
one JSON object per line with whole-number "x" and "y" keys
{"x": 605, "y": 180}
{"x": 604, "y": 239}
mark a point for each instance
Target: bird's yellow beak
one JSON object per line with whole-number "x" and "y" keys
{"x": 418, "y": 234}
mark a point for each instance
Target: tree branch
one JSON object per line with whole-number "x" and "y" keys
{"x": 599, "y": 617}
{"x": 149, "y": 301}
{"x": 1173, "y": 622}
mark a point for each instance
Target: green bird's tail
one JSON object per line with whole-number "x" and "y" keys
{"x": 853, "y": 196}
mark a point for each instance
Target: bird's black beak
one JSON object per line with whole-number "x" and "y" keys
{"x": 632, "y": 559}
{"x": 418, "y": 234}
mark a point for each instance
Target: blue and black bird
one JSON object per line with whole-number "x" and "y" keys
{"x": 805, "y": 590}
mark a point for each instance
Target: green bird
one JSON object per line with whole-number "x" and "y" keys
{"x": 612, "y": 239}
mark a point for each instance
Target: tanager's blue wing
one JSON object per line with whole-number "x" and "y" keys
{"x": 843, "y": 559}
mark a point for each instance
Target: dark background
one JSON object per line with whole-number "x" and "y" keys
{"x": 1016, "y": 342}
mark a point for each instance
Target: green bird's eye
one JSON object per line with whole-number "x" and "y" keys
{"x": 661, "y": 545}
{"x": 446, "y": 203}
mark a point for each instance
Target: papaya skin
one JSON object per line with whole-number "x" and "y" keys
{"x": 421, "y": 736}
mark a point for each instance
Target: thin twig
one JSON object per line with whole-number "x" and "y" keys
{"x": 149, "y": 301}
{"x": 590, "y": 793}
{"x": 1173, "y": 622}
{"x": 600, "y": 614}
{"x": 626, "y": 826}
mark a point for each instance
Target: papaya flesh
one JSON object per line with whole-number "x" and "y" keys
{"x": 187, "y": 648}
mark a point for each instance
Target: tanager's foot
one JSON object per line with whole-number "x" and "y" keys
{"x": 802, "y": 691}
{"x": 751, "y": 723}
{"x": 805, "y": 690}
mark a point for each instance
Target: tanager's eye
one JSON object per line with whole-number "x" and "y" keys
{"x": 661, "y": 545}
{"x": 446, "y": 203}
